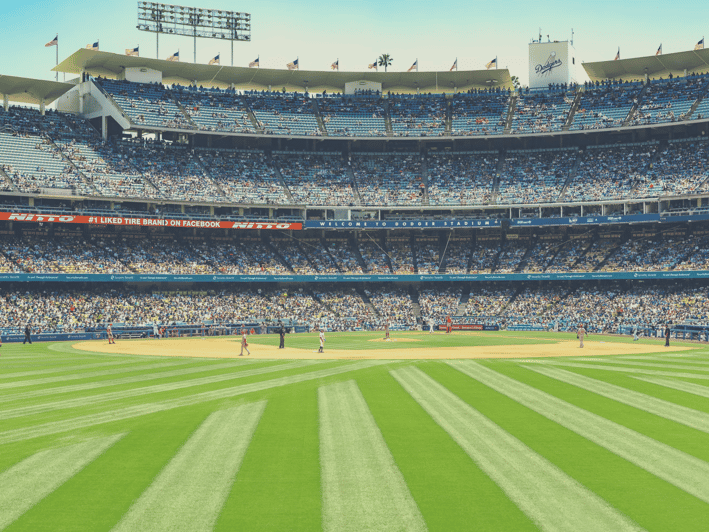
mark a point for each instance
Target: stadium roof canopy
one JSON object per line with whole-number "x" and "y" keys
{"x": 32, "y": 91}
{"x": 111, "y": 65}
{"x": 655, "y": 66}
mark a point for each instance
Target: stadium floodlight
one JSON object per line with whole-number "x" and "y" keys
{"x": 193, "y": 22}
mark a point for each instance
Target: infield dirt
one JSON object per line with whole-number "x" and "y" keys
{"x": 228, "y": 347}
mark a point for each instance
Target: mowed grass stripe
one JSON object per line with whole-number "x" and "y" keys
{"x": 451, "y": 491}
{"x": 278, "y": 485}
{"x": 65, "y": 369}
{"x": 56, "y": 427}
{"x": 362, "y": 487}
{"x": 71, "y": 388}
{"x": 676, "y": 467}
{"x": 687, "y": 359}
{"x": 680, "y": 414}
{"x": 547, "y": 495}
{"x": 682, "y": 386}
{"x": 146, "y": 390}
{"x": 619, "y": 369}
{"x": 30, "y": 481}
{"x": 190, "y": 492}
{"x": 89, "y": 375}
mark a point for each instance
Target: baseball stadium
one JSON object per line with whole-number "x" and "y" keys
{"x": 235, "y": 297}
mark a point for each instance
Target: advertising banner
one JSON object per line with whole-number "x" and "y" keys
{"x": 146, "y": 222}
{"x": 411, "y": 278}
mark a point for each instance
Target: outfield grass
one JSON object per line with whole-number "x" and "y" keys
{"x": 93, "y": 441}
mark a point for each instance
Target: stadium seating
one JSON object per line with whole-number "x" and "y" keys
{"x": 353, "y": 116}
{"x": 605, "y": 105}
{"x": 481, "y": 113}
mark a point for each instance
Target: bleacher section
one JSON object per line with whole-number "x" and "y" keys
{"x": 535, "y": 176}
{"x": 461, "y": 178}
{"x": 284, "y": 114}
{"x": 479, "y": 113}
{"x": 542, "y": 111}
{"x": 353, "y": 116}
{"x": 146, "y": 104}
{"x": 388, "y": 179}
{"x": 316, "y": 178}
{"x": 605, "y": 105}
{"x": 216, "y": 110}
{"x": 245, "y": 176}
{"x": 418, "y": 116}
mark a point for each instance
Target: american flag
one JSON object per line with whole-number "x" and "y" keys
{"x": 133, "y": 51}
{"x": 415, "y": 65}
{"x": 174, "y": 57}
{"x": 93, "y": 46}
{"x": 214, "y": 60}
{"x": 491, "y": 64}
{"x": 455, "y": 66}
{"x": 255, "y": 63}
{"x": 699, "y": 45}
{"x": 293, "y": 65}
{"x": 53, "y": 42}
{"x": 335, "y": 65}
{"x": 617, "y": 56}
{"x": 373, "y": 65}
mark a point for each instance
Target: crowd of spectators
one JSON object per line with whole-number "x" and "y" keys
{"x": 215, "y": 109}
{"x": 389, "y": 179}
{"x": 456, "y": 256}
{"x": 394, "y": 307}
{"x": 668, "y": 100}
{"x": 353, "y": 116}
{"x": 316, "y": 178}
{"x": 348, "y": 311}
{"x": 438, "y": 304}
{"x": 287, "y": 113}
{"x": 175, "y": 170}
{"x": 605, "y": 105}
{"x": 534, "y": 177}
{"x": 244, "y": 176}
{"x": 479, "y": 113}
{"x": 418, "y": 115}
{"x": 146, "y": 104}
{"x": 461, "y": 178}
{"x": 374, "y": 256}
{"x": 133, "y": 251}
{"x": 610, "y": 172}
{"x": 541, "y": 111}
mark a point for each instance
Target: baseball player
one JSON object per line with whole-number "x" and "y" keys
{"x": 322, "y": 341}
{"x": 244, "y": 344}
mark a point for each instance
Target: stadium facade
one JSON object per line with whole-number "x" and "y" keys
{"x": 443, "y": 193}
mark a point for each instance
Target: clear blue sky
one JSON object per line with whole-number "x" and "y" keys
{"x": 357, "y": 31}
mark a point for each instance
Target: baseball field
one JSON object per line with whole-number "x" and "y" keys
{"x": 470, "y": 431}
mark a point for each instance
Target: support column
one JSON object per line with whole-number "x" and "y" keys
{"x": 6, "y": 102}
{"x": 42, "y": 107}
{"x": 104, "y": 127}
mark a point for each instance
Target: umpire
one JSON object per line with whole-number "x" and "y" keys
{"x": 282, "y": 334}
{"x": 28, "y": 331}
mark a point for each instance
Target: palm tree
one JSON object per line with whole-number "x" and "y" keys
{"x": 384, "y": 60}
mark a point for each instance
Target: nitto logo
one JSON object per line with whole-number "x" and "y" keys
{"x": 260, "y": 225}
{"x": 551, "y": 63}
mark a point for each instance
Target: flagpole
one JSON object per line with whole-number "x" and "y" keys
{"x": 57, "y": 50}
{"x": 456, "y": 64}
{"x": 495, "y": 62}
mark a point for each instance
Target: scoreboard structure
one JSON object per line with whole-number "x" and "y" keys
{"x": 551, "y": 62}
